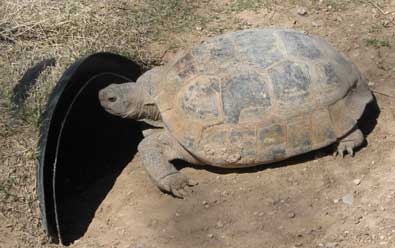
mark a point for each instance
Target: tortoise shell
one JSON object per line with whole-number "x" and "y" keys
{"x": 258, "y": 96}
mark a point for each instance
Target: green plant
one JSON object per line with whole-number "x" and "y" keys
{"x": 377, "y": 43}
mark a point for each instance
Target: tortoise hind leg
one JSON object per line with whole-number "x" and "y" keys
{"x": 349, "y": 142}
{"x": 157, "y": 151}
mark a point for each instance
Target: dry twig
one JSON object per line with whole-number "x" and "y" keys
{"x": 383, "y": 94}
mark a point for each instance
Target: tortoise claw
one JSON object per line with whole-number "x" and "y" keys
{"x": 350, "y": 151}
{"x": 176, "y": 184}
{"x": 342, "y": 148}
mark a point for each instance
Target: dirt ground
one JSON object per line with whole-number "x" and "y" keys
{"x": 315, "y": 200}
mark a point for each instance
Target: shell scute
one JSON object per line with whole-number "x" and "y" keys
{"x": 185, "y": 67}
{"x": 321, "y": 128}
{"x": 200, "y": 99}
{"x": 259, "y": 49}
{"x": 299, "y": 138}
{"x": 243, "y": 90}
{"x": 271, "y": 142}
{"x": 245, "y": 138}
{"x": 291, "y": 83}
{"x": 299, "y": 45}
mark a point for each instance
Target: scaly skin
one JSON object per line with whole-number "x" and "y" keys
{"x": 157, "y": 151}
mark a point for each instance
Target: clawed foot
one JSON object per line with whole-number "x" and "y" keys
{"x": 349, "y": 143}
{"x": 177, "y": 184}
{"x": 345, "y": 147}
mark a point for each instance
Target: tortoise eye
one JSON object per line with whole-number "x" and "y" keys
{"x": 112, "y": 99}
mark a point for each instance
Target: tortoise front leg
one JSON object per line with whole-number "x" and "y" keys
{"x": 157, "y": 151}
{"x": 350, "y": 142}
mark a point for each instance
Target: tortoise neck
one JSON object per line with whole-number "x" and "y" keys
{"x": 147, "y": 107}
{"x": 150, "y": 111}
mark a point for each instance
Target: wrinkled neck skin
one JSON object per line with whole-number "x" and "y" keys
{"x": 144, "y": 107}
{"x": 151, "y": 112}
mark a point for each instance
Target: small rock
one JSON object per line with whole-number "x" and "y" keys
{"x": 338, "y": 19}
{"x": 177, "y": 214}
{"x": 316, "y": 24}
{"x": 357, "y": 181}
{"x": 291, "y": 215}
{"x": 220, "y": 224}
{"x": 210, "y": 235}
{"x": 357, "y": 221}
{"x": 204, "y": 203}
{"x": 386, "y": 23}
{"x": 331, "y": 245}
{"x": 336, "y": 200}
{"x": 302, "y": 11}
{"x": 370, "y": 83}
{"x": 348, "y": 199}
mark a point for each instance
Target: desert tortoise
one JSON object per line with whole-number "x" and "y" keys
{"x": 242, "y": 99}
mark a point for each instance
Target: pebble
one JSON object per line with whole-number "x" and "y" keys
{"x": 338, "y": 19}
{"x": 348, "y": 199}
{"x": 370, "y": 83}
{"x": 315, "y": 24}
{"x": 220, "y": 224}
{"x": 302, "y": 11}
{"x": 291, "y": 215}
{"x": 210, "y": 235}
{"x": 386, "y": 23}
{"x": 357, "y": 181}
{"x": 331, "y": 245}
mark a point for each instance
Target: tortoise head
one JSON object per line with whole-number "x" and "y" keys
{"x": 123, "y": 100}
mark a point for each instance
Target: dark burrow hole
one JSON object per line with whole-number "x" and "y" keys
{"x": 83, "y": 149}
{"x": 95, "y": 148}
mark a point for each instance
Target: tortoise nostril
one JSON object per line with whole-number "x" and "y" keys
{"x": 112, "y": 99}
